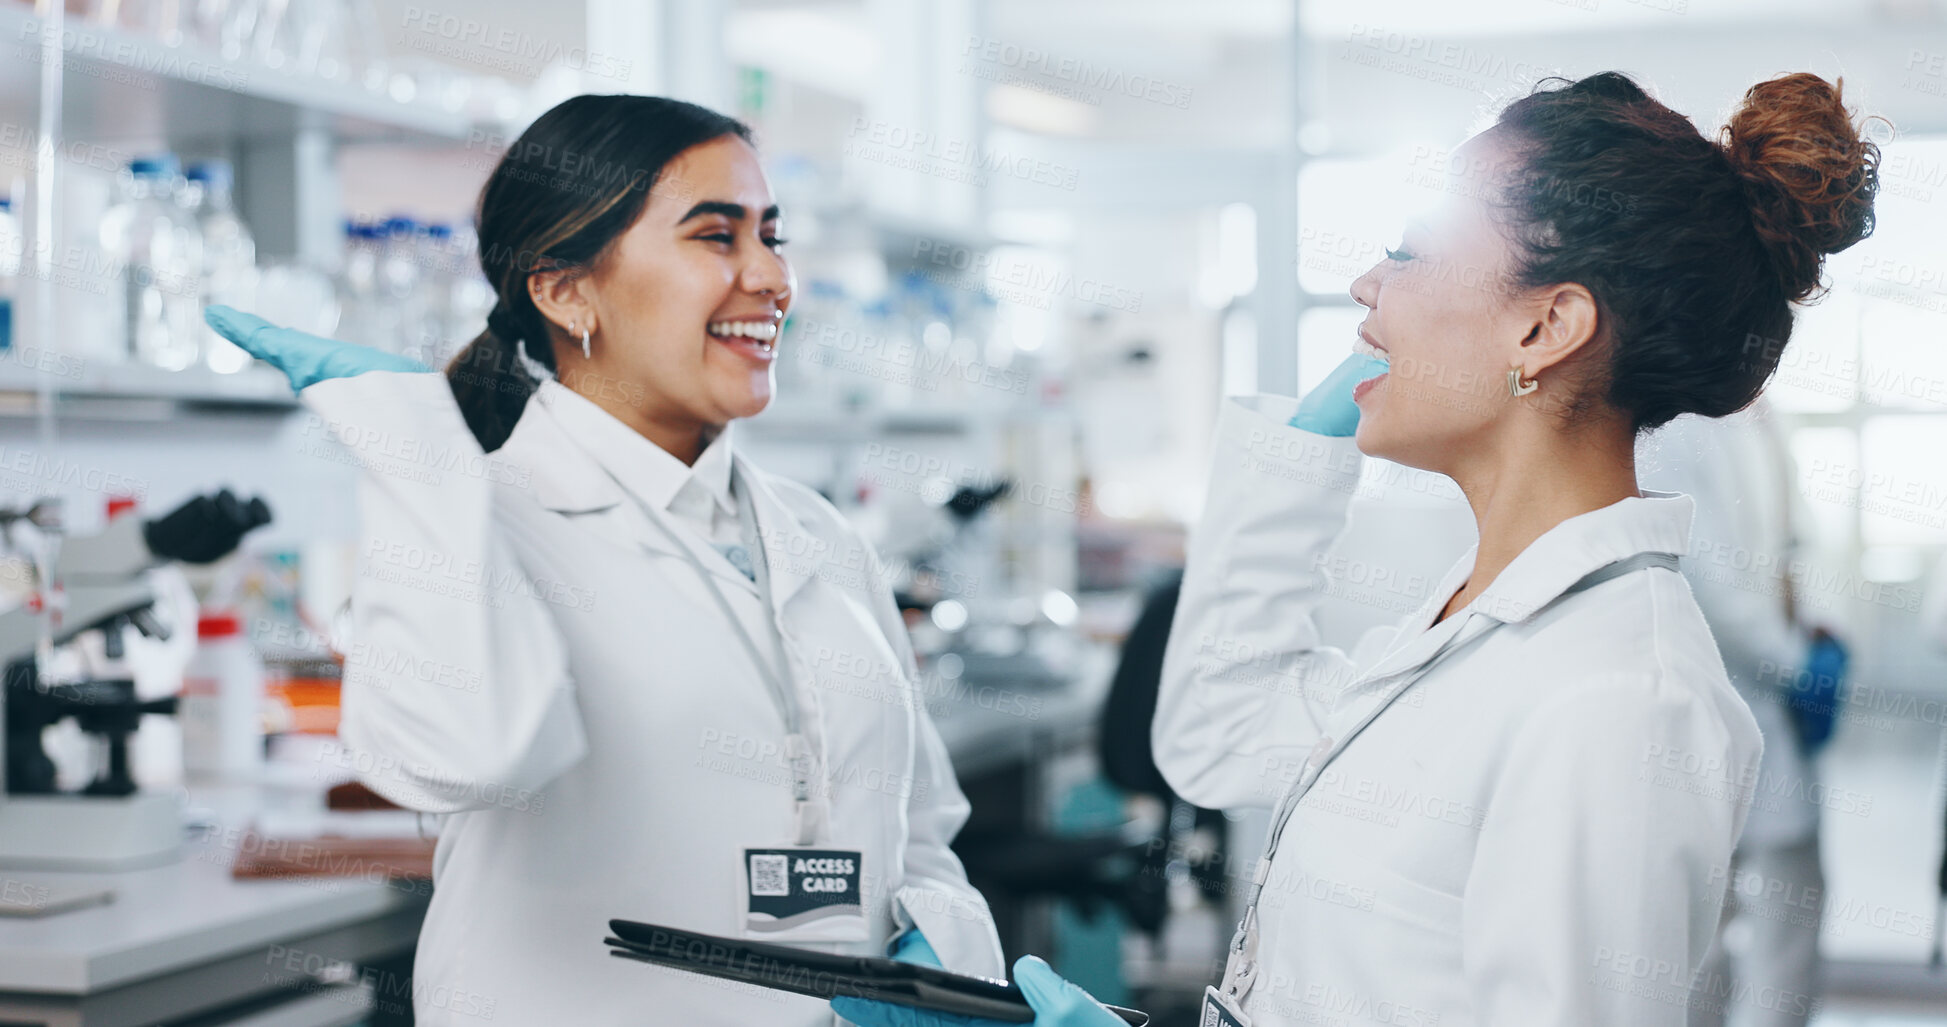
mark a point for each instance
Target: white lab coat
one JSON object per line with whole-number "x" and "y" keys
{"x": 529, "y": 655}
{"x": 1537, "y": 833}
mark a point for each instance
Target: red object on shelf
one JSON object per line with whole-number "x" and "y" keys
{"x": 119, "y": 505}
{"x": 218, "y": 624}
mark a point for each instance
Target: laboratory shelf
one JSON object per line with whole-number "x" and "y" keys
{"x": 124, "y": 85}
{"x": 814, "y": 424}
{"x": 131, "y": 390}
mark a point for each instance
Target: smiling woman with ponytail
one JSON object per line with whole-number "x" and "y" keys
{"x": 537, "y": 218}
{"x": 592, "y": 630}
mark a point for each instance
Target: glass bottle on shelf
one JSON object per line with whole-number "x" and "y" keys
{"x": 156, "y": 249}
{"x": 229, "y": 257}
{"x": 364, "y": 318}
{"x": 441, "y": 266}
{"x": 471, "y": 298}
{"x": 399, "y": 282}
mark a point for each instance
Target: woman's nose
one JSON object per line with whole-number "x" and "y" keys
{"x": 1365, "y": 288}
{"x": 767, "y": 271}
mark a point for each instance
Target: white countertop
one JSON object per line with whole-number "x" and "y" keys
{"x": 192, "y": 912}
{"x": 166, "y": 918}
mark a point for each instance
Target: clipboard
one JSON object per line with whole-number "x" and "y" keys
{"x": 826, "y": 975}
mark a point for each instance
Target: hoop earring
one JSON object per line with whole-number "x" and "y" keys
{"x": 1517, "y": 387}
{"x": 585, "y": 355}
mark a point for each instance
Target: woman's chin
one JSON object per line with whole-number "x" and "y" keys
{"x": 1367, "y": 438}
{"x": 748, "y": 404}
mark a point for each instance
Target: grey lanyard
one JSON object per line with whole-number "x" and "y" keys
{"x": 797, "y": 748}
{"x": 1240, "y": 970}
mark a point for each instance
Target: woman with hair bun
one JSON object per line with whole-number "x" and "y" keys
{"x": 1518, "y": 806}
{"x": 638, "y": 676}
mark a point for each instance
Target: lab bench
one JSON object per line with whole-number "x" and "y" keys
{"x": 1017, "y": 738}
{"x": 992, "y": 720}
{"x": 185, "y": 943}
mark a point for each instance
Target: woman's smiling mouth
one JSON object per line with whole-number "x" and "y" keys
{"x": 753, "y": 339}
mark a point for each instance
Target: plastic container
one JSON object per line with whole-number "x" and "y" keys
{"x": 229, "y": 272}
{"x": 400, "y": 281}
{"x": 155, "y": 244}
{"x": 222, "y": 706}
{"x": 366, "y": 319}
{"x": 427, "y": 338}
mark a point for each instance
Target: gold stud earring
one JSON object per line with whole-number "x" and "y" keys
{"x": 1517, "y": 387}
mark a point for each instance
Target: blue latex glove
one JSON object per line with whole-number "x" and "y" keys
{"x": 1328, "y": 409}
{"x": 912, "y": 947}
{"x": 1056, "y": 1003}
{"x": 304, "y": 358}
{"x": 1814, "y": 707}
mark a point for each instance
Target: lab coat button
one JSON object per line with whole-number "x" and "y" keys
{"x": 1319, "y": 751}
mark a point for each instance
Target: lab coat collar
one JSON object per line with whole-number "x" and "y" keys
{"x": 655, "y": 475}
{"x": 791, "y": 552}
{"x": 1653, "y": 522}
{"x": 568, "y": 479}
{"x": 565, "y": 477}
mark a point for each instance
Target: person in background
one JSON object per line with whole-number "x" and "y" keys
{"x": 1745, "y": 545}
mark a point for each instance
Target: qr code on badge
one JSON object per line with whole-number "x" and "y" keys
{"x": 770, "y": 875}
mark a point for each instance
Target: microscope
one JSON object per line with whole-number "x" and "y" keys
{"x": 82, "y": 597}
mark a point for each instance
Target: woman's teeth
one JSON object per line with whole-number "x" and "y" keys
{"x": 1360, "y": 345}
{"x": 757, "y": 331}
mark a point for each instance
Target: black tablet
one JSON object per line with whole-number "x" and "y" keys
{"x": 826, "y": 975}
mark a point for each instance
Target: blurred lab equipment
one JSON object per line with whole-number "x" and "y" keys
{"x": 12, "y": 249}
{"x": 409, "y": 287}
{"x": 936, "y": 543}
{"x": 1144, "y": 867}
{"x": 299, "y": 296}
{"x": 65, "y": 648}
{"x": 222, "y": 703}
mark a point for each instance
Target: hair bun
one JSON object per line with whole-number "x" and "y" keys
{"x": 1809, "y": 175}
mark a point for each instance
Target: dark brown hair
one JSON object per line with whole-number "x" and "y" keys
{"x": 575, "y": 180}
{"x": 1694, "y": 249}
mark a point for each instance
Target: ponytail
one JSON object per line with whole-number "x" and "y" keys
{"x": 491, "y": 383}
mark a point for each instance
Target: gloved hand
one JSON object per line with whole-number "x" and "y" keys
{"x": 205, "y": 528}
{"x": 304, "y": 358}
{"x": 912, "y": 947}
{"x": 1328, "y": 409}
{"x": 1056, "y": 1002}
{"x": 1814, "y": 707}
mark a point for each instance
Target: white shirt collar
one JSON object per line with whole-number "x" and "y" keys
{"x": 1652, "y": 522}
{"x": 650, "y": 472}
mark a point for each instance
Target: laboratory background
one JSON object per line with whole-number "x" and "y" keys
{"x": 1036, "y": 243}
